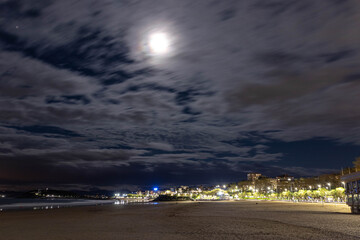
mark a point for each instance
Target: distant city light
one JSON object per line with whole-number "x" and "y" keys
{"x": 292, "y": 191}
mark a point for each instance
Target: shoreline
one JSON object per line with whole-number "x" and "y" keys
{"x": 31, "y": 204}
{"x": 90, "y": 202}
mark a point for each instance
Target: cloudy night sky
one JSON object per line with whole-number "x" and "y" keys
{"x": 87, "y": 101}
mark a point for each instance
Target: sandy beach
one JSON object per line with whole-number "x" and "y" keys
{"x": 190, "y": 220}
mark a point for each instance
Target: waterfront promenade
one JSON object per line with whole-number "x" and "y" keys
{"x": 188, "y": 220}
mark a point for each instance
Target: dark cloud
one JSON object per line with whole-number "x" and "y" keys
{"x": 336, "y": 56}
{"x": 227, "y": 14}
{"x": 17, "y": 8}
{"x": 36, "y": 129}
{"x": 68, "y": 99}
{"x": 277, "y": 7}
{"x": 279, "y": 59}
{"x": 287, "y": 85}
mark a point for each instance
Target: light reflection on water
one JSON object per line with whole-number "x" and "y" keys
{"x": 46, "y": 207}
{"x": 47, "y": 204}
{"x": 128, "y": 202}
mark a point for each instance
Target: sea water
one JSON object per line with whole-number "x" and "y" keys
{"x": 46, "y": 203}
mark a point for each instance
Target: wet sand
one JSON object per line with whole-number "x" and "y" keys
{"x": 191, "y": 220}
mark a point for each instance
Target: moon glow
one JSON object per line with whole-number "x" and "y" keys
{"x": 159, "y": 43}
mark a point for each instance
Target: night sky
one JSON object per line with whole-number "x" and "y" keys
{"x": 87, "y": 102}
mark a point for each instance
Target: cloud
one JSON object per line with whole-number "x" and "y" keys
{"x": 82, "y": 92}
{"x": 161, "y": 146}
{"x": 26, "y": 77}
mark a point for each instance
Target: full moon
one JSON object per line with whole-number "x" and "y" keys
{"x": 159, "y": 43}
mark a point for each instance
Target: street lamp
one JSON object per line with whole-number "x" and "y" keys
{"x": 310, "y": 187}
{"x": 329, "y": 186}
{"x": 319, "y": 186}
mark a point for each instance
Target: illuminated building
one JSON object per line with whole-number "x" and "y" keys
{"x": 352, "y": 186}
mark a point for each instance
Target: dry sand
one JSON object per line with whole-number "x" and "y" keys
{"x": 192, "y": 220}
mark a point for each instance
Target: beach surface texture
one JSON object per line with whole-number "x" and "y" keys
{"x": 187, "y": 220}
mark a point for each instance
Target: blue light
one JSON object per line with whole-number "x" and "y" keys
{"x": 155, "y": 188}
